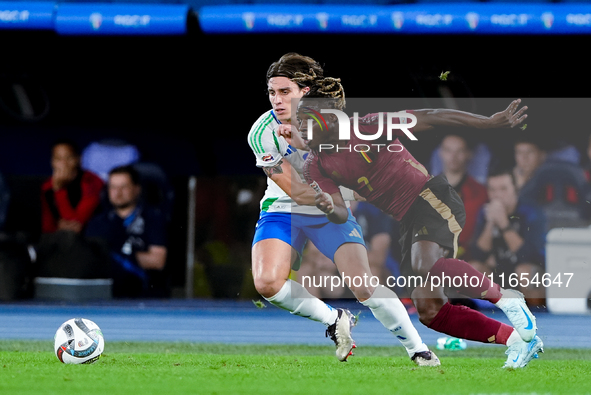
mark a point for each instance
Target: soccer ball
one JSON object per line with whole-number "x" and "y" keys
{"x": 78, "y": 341}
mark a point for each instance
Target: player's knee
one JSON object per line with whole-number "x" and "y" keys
{"x": 427, "y": 311}
{"x": 362, "y": 293}
{"x": 268, "y": 287}
{"x": 425, "y": 254}
{"x": 422, "y": 267}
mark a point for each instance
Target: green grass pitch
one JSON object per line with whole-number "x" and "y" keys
{"x": 30, "y": 367}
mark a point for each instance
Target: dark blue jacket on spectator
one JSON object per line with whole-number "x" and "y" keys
{"x": 529, "y": 221}
{"x": 144, "y": 227}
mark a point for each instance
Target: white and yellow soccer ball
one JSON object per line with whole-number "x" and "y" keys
{"x": 78, "y": 340}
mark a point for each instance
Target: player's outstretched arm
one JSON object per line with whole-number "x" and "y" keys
{"x": 285, "y": 176}
{"x": 333, "y": 206}
{"x": 509, "y": 118}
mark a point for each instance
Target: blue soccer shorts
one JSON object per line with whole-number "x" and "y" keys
{"x": 296, "y": 229}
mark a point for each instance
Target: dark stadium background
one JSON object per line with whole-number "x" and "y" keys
{"x": 188, "y": 101}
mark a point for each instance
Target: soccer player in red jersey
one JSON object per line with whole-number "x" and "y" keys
{"x": 429, "y": 210}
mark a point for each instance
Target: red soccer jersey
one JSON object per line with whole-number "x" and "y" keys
{"x": 390, "y": 181}
{"x": 58, "y": 204}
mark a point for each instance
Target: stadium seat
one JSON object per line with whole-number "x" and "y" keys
{"x": 477, "y": 167}
{"x": 566, "y": 153}
{"x": 561, "y": 189}
{"x": 156, "y": 189}
{"x": 103, "y": 156}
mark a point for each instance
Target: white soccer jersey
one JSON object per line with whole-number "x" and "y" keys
{"x": 269, "y": 149}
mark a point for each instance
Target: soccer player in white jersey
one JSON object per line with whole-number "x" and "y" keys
{"x": 289, "y": 218}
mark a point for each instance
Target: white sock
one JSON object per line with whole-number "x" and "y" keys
{"x": 295, "y": 298}
{"x": 389, "y": 310}
{"x": 513, "y": 337}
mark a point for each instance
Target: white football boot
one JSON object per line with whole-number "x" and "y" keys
{"x": 426, "y": 358}
{"x": 340, "y": 333}
{"x": 513, "y": 305}
{"x": 521, "y": 352}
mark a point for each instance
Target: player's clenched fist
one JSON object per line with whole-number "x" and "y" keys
{"x": 292, "y": 136}
{"x": 324, "y": 202}
{"x": 322, "y": 199}
{"x": 284, "y": 130}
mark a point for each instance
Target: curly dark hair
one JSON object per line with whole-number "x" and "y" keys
{"x": 328, "y": 88}
{"x": 303, "y": 70}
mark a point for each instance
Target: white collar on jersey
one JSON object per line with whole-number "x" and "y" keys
{"x": 274, "y": 116}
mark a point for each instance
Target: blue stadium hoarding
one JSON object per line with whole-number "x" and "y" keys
{"x": 121, "y": 19}
{"x": 26, "y": 15}
{"x": 440, "y": 18}
{"x": 417, "y": 18}
{"x": 95, "y": 18}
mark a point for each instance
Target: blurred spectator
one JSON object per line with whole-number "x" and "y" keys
{"x": 529, "y": 155}
{"x": 553, "y": 181}
{"x": 456, "y": 153}
{"x": 476, "y": 167}
{"x": 71, "y": 195}
{"x": 510, "y": 237}
{"x": 68, "y": 200}
{"x": 135, "y": 235}
{"x": 564, "y": 152}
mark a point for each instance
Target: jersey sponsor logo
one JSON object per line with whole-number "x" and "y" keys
{"x": 267, "y": 158}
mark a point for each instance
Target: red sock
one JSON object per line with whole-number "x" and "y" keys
{"x": 450, "y": 270}
{"x": 465, "y": 323}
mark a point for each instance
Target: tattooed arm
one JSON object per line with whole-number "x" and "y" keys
{"x": 284, "y": 175}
